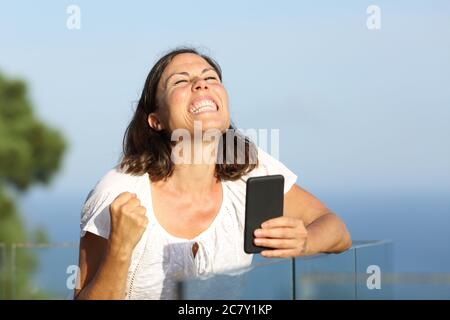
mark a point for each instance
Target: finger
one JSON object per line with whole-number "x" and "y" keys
{"x": 276, "y": 243}
{"x": 132, "y": 207}
{"x": 277, "y": 233}
{"x": 281, "y": 222}
{"x": 134, "y": 202}
{"x": 140, "y": 210}
{"x": 143, "y": 221}
{"x": 281, "y": 253}
{"x": 123, "y": 198}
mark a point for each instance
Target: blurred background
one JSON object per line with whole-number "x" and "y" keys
{"x": 360, "y": 95}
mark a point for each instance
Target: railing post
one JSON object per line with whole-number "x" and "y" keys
{"x": 3, "y": 270}
{"x": 294, "y": 275}
{"x": 13, "y": 271}
{"x": 356, "y": 273}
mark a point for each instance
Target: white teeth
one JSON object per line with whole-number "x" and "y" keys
{"x": 204, "y": 108}
{"x": 203, "y": 105}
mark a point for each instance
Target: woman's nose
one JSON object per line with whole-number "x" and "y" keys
{"x": 200, "y": 84}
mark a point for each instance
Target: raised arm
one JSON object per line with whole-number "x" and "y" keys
{"x": 103, "y": 262}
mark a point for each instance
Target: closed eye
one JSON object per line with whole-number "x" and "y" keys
{"x": 184, "y": 80}
{"x": 179, "y": 81}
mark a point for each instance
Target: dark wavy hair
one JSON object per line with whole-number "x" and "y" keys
{"x": 146, "y": 150}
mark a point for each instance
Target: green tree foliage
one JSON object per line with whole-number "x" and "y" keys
{"x": 30, "y": 153}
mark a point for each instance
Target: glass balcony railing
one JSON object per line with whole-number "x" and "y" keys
{"x": 38, "y": 271}
{"x": 3, "y": 272}
{"x": 357, "y": 273}
{"x": 48, "y": 271}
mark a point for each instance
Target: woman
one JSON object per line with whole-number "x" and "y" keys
{"x": 153, "y": 220}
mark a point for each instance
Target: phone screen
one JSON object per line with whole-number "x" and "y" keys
{"x": 263, "y": 201}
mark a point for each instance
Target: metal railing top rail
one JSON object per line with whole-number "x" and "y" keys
{"x": 356, "y": 244}
{"x": 31, "y": 245}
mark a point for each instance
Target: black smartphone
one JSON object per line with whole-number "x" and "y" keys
{"x": 263, "y": 201}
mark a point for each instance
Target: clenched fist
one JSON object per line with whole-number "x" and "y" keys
{"x": 128, "y": 222}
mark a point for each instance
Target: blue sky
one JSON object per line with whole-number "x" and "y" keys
{"x": 358, "y": 110}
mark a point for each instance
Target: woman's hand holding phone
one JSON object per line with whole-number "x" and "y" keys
{"x": 285, "y": 236}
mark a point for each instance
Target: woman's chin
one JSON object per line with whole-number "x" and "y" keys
{"x": 206, "y": 124}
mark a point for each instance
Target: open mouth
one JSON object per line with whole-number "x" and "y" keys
{"x": 203, "y": 105}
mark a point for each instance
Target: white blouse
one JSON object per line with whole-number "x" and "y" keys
{"x": 160, "y": 259}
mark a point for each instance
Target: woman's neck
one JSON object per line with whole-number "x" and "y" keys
{"x": 194, "y": 176}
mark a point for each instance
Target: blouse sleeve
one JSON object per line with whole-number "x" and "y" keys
{"x": 268, "y": 165}
{"x": 95, "y": 216}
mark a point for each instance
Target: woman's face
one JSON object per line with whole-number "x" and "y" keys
{"x": 190, "y": 90}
